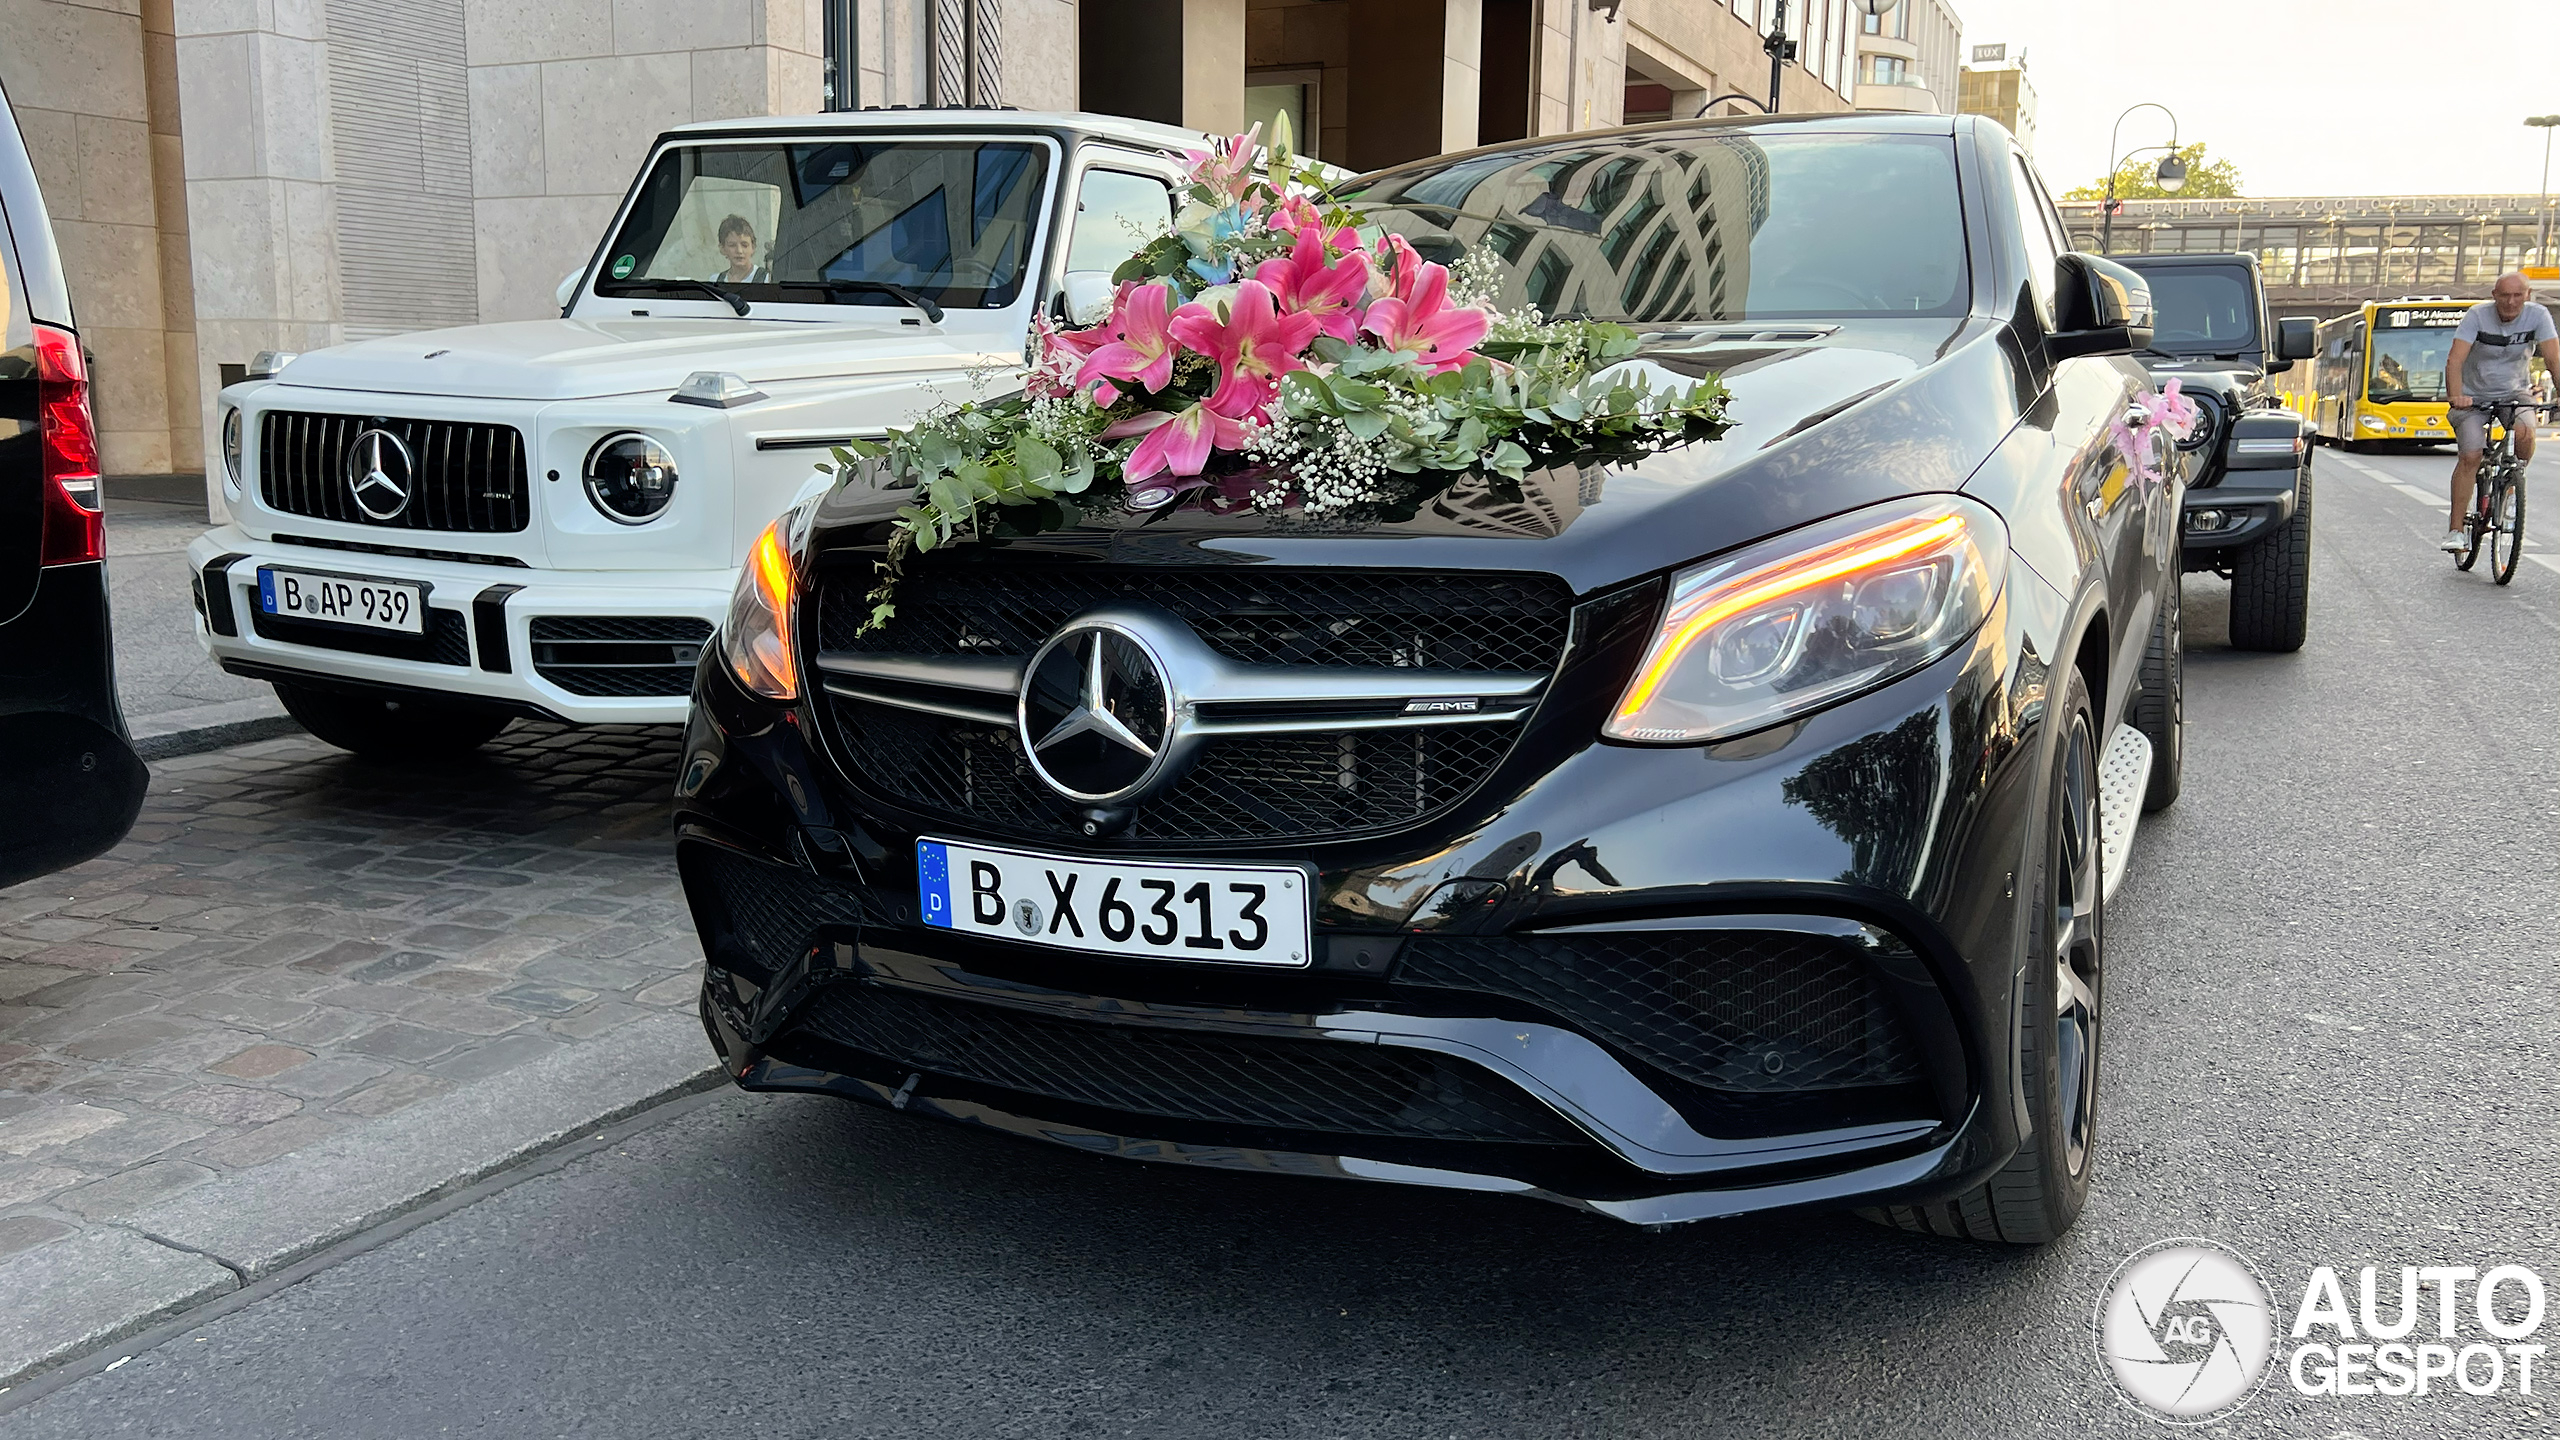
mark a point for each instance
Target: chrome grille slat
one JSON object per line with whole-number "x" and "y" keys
{"x": 468, "y": 476}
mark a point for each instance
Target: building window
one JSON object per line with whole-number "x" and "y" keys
{"x": 1298, "y": 94}
{"x": 1884, "y": 70}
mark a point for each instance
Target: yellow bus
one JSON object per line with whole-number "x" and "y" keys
{"x": 2379, "y": 373}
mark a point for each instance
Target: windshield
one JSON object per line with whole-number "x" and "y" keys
{"x": 2410, "y": 348}
{"x": 822, "y": 221}
{"x": 1713, "y": 226}
{"x": 2202, "y": 310}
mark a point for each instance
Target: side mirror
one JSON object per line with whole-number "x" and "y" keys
{"x": 2297, "y": 338}
{"x": 567, "y": 289}
{"x": 1088, "y": 296}
{"x": 2100, "y": 308}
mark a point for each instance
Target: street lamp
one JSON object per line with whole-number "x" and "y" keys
{"x": 2172, "y": 174}
{"x": 1780, "y": 49}
{"x": 2542, "y": 243}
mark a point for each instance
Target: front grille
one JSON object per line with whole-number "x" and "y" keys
{"x": 447, "y": 640}
{"x": 1243, "y": 789}
{"x": 1449, "y": 620}
{"x": 1759, "y": 1012}
{"x": 619, "y": 654}
{"x": 465, "y": 476}
{"x": 1319, "y": 1086}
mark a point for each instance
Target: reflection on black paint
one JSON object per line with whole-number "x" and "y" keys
{"x": 1872, "y": 793}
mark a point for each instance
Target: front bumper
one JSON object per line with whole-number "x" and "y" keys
{"x": 1470, "y": 1019}
{"x": 495, "y": 632}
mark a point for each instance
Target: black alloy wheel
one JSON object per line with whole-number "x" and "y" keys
{"x": 2506, "y": 531}
{"x": 2160, "y": 710}
{"x": 392, "y": 727}
{"x": 2037, "y": 1196}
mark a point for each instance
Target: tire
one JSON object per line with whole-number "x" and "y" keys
{"x": 2160, "y": 710}
{"x": 2037, "y": 1196}
{"x": 2271, "y": 583}
{"x": 2506, "y": 536}
{"x": 2469, "y": 554}
{"x": 388, "y": 727}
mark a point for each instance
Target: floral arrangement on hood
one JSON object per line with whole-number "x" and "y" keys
{"x": 1274, "y": 352}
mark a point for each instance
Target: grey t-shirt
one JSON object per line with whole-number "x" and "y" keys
{"x": 2496, "y": 368}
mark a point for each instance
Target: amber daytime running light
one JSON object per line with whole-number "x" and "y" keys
{"x": 1810, "y": 617}
{"x": 757, "y": 640}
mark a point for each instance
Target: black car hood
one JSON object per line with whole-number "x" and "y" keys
{"x": 1821, "y": 425}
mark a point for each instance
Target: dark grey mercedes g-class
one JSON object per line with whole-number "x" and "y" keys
{"x": 2248, "y": 507}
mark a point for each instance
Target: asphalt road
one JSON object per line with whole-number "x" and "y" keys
{"x": 2330, "y": 1042}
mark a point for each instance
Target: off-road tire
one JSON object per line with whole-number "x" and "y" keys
{"x": 385, "y": 727}
{"x": 2160, "y": 711}
{"x": 2034, "y": 1198}
{"x": 2271, "y": 583}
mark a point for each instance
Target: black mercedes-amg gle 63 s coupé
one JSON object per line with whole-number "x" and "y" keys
{"x": 1722, "y": 830}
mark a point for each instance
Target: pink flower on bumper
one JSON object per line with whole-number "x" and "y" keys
{"x": 1177, "y": 443}
{"x": 1420, "y": 319}
{"x": 1138, "y": 346}
{"x": 1254, "y": 345}
{"x": 1305, "y": 285}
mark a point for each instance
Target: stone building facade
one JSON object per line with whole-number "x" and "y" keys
{"x": 231, "y": 176}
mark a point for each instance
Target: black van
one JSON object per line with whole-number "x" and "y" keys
{"x": 69, "y": 780}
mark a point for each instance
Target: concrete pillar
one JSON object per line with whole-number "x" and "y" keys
{"x": 1416, "y": 78}
{"x": 1179, "y": 62}
{"x": 253, "y": 97}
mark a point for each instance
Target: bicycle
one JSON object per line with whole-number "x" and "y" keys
{"x": 2497, "y": 495}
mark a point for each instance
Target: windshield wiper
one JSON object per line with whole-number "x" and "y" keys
{"x": 705, "y": 286}
{"x": 890, "y": 288}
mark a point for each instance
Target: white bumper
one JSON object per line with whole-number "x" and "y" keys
{"x": 483, "y": 641}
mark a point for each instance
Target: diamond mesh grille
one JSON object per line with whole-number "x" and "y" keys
{"x": 1751, "y": 1011}
{"x": 773, "y": 913}
{"x": 1309, "y": 1085}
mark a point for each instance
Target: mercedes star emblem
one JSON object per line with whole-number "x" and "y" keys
{"x": 379, "y": 469}
{"x": 1094, "y": 713}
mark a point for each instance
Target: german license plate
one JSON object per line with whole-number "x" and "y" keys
{"x": 1237, "y": 914}
{"x": 343, "y": 600}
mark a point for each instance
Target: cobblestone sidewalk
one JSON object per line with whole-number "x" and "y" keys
{"x": 294, "y": 943}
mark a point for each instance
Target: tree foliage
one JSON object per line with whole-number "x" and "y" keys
{"x": 2206, "y": 179}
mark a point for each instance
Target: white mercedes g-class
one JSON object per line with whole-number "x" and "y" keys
{"x": 433, "y": 533}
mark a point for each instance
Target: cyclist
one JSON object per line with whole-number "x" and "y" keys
{"x": 2492, "y": 348}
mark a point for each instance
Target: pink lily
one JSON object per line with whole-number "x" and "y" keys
{"x": 1297, "y": 215}
{"x": 1422, "y": 320}
{"x": 1177, "y": 442}
{"x": 1400, "y": 267}
{"x": 1227, "y": 170}
{"x": 1253, "y": 343}
{"x": 1305, "y": 285}
{"x": 1055, "y": 355}
{"x": 1138, "y": 347}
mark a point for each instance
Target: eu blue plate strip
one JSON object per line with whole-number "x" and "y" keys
{"x": 933, "y": 877}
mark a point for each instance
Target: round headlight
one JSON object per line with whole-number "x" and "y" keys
{"x": 630, "y": 478}
{"x": 231, "y": 448}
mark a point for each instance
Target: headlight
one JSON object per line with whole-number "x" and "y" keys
{"x": 2370, "y": 422}
{"x": 630, "y": 478}
{"x": 1794, "y": 623}
{"x": 756, "y": 642}
{"x": 231, "y": 448}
